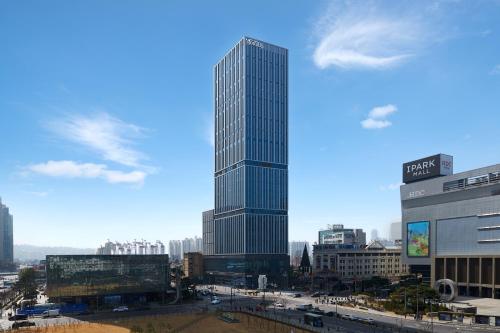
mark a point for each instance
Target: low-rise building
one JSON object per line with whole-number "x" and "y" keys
{"x": 193, "y": 265}
{"x": 351, "y": 263}
{"x": 337, "y": 234}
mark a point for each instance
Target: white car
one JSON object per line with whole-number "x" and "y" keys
{"x": 215, "y": 301}
{"x": 279, "y": 305}
{"x": 122, "y": 308}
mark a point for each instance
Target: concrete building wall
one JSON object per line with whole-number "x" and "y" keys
{"x": 193, "y": 265}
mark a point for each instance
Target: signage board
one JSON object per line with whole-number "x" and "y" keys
{"x": 428, "y": 167}
{"x": 417, "y": 239}
{"x": 262, "y": 282}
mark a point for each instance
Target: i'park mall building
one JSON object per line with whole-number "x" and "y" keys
{"x": 451, "y": 224}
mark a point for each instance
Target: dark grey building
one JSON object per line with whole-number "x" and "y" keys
{"x": 6, "y": 237}
{"x": 247, "y": 232}
{"x": 451, "y": 226}
{"x": 100, "y": 279}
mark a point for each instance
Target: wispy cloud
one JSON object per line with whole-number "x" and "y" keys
{"x": 110, "y": 137}
{"x": 41, "y": 194}
{"x": 362, "y": 35}
{"x": 377, "y": 117}
{"x": 209, "y": 134}
{"x": 495, "y": 70}
{"x": 390, "y": 187}
{"x": 71, "y": 169}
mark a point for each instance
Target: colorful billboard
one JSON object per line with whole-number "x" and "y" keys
{"x": 417, "y": 239}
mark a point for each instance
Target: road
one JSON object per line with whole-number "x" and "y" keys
{"x": 381, "y": 319}
{"x": 242, "y": 302}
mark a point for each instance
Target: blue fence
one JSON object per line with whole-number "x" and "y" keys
{"x": 63, "y": 309}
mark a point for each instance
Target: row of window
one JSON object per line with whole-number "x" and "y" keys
{"x": 251, "y": 187}
{"x": 492, "y": 177}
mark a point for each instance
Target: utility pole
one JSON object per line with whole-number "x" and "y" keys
{"x": 405, "y": 303}
{"x": 231, "y": 301}
{"x": 416, "y": 316}
{"x": 432, "y": 318}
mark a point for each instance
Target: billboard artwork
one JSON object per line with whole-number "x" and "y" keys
{"x": 417, "y": 239}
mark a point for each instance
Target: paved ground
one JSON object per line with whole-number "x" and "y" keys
{"x": 239, "y": 301}
{"x": 485, "y": 306}
{"x": 380, "y": 317}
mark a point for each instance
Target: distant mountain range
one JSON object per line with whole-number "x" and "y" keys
{"x": 23, "y": 252}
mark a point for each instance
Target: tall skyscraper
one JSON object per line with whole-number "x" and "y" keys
{"x": 247, "y": 232}
{"x": 296, "y": 249}
{"x": 175, "y": 250}
{"x": 6, "y": 237}
{"x": 395, "y": 231}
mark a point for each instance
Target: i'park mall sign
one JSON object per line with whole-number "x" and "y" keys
{"x": 428, "y": 167}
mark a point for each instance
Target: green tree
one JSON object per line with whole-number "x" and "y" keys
{"x": 26, "y": 283}
{"x": 408, "y": 294}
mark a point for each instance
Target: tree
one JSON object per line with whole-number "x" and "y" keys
{"x": 26, "y": 283}
{"x": 397, "y": 299}
{"x": 305, "y": 264}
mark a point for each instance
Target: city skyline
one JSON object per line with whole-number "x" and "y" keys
{"x": 102, "y": 134}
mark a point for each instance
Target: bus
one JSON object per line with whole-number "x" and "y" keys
{"x": 313, "y": 319}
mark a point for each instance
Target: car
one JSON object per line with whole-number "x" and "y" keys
{"x": 304, "y": 307}
{"x": 18, "y": 317}
{"x": 330, "y": 313}
{"x": 50, "y": 313}
{"x": 215, "y": 301}
{"x": 316, "y": 294}
{"x": 368, "y": 321}
{"x": 19, "y": 324}
{"x": 345, "y": 316}
{"x": 122, "y": 308}
{"x": 279, "y": 305}
{"x": 297, "y": 295}
{"x": 317, "y": 311}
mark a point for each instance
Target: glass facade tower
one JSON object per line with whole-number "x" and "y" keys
{"x": 6, "y": 238}
{"x": 251, "y": 155}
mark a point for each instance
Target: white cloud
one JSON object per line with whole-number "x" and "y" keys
{"x": 380, "y": 112}
{"x": 41, "y": 194}
{"x": 377, "y": 117}
{"x": 370, "y": 123}
{"x": 71, "y": 169}
{"x": 209, "y": 134}
{"x": 354, "y": 34}
{"x": 391, "y": 187}
{"x": 110, "y": 137}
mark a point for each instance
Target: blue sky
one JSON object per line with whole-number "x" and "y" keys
{"x": 106, "y": 108}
